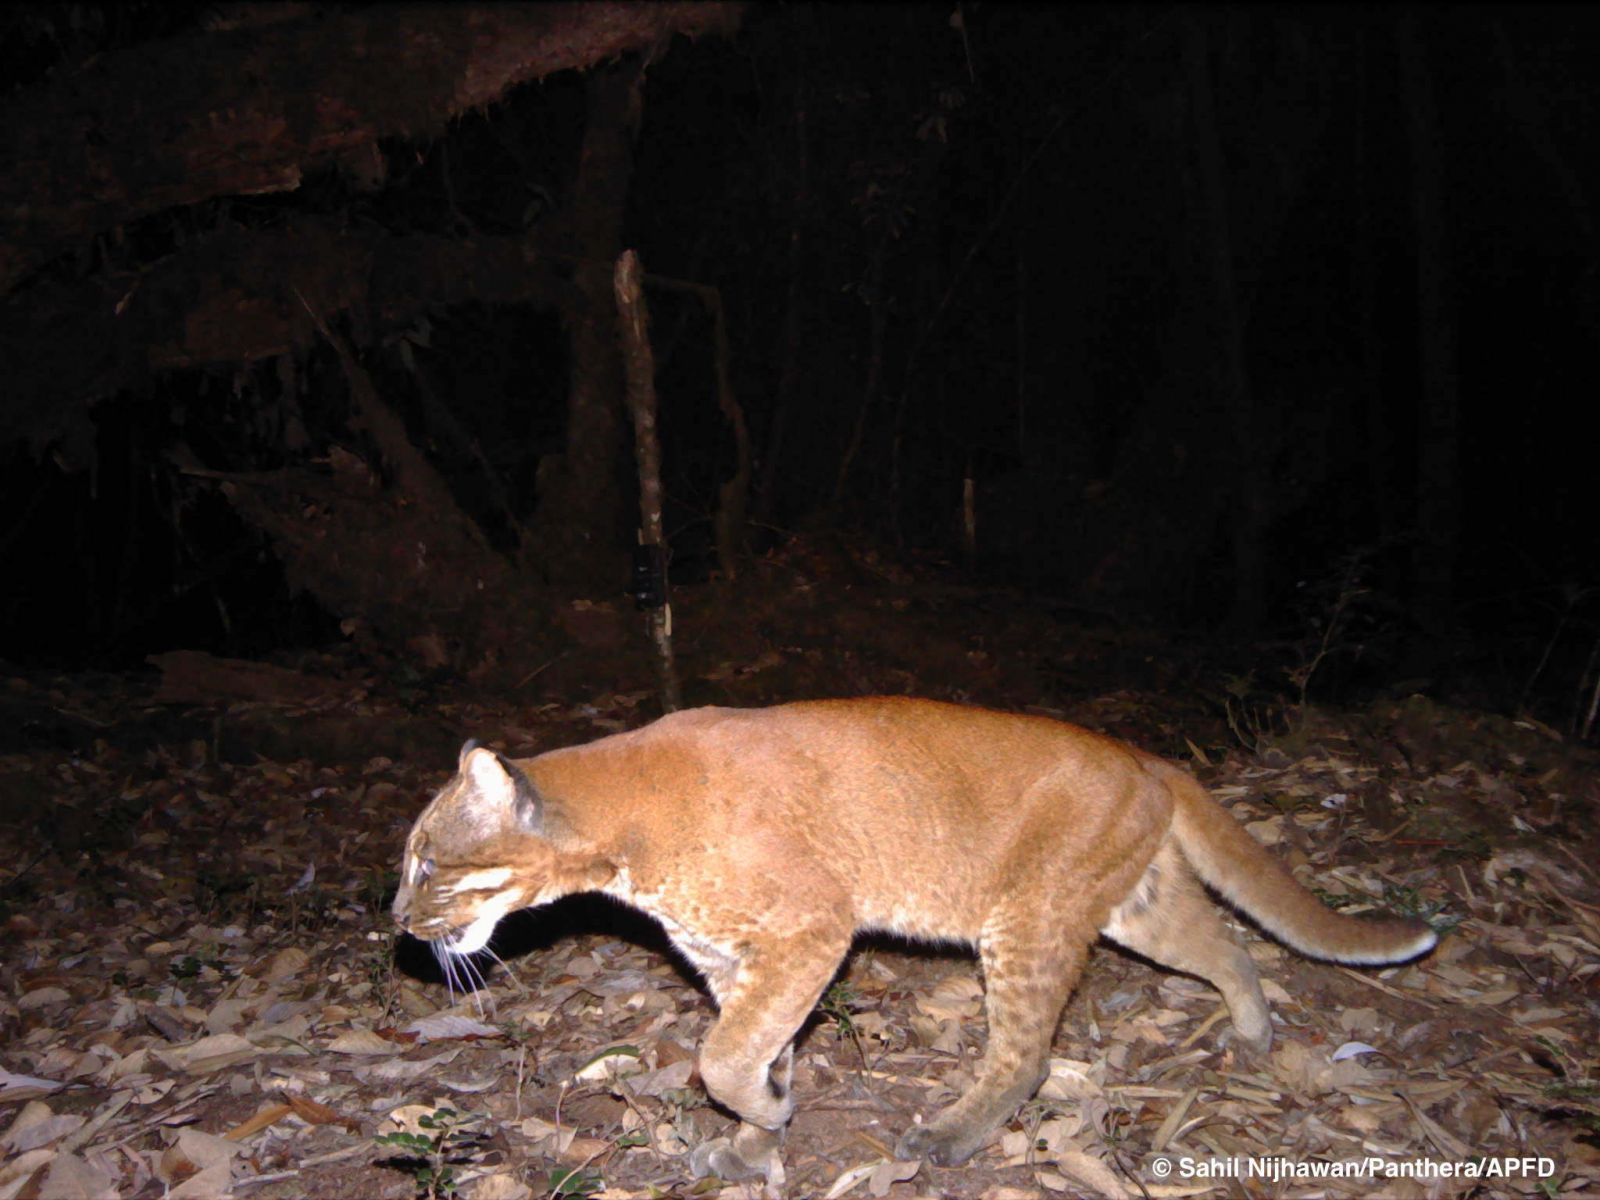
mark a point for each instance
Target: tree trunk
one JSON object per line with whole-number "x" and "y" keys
{"x": 1438, "y": 432}
{"x": 579, "y": 528}
{"x": 633, "y": 327}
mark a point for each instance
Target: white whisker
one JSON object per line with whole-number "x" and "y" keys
{"x": 506, "y": 967}
{"x": 447, "y": 967}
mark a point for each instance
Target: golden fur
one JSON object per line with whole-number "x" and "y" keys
{"x": 764, "y": 839}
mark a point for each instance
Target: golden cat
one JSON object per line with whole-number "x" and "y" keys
{"x": 764, "y": 839}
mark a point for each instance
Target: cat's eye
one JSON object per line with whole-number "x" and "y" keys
{"x": 424, "y": 870}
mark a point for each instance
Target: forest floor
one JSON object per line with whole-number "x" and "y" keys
{"x": 204, "y": 995}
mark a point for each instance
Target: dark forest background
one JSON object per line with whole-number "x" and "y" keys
{"x": 1251, "y": 323}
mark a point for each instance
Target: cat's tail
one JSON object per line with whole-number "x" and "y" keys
{"x": 1233, "y": 863}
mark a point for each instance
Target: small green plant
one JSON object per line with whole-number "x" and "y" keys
{"x": 1343, "y": 615}
{"x": 432, "y": 1157}
{"x": 579, "y": 1181}
{"x": 1408, "y": 902}
{"x": 381, "y": 976}
{"x": 227, "y": 895}
{"x": 1331, "y": 898}
{"x": 839, "y": 1004}
{"x": 378, "y": 889}
{"x": 190, "y": 965}
{"x": 1577, "y": 1092}
{"x": 1324, "y": 629}
{"x": 1254, "y": 718}
{"x": 313, "y": 909}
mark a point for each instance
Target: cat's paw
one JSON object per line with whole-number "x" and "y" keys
{"x": 722, "y": 1158}
{"x": 1251, "y": 1041}
{"x": 943, "y": 1148}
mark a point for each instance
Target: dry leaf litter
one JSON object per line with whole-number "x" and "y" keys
{"x": 203, "y": 996}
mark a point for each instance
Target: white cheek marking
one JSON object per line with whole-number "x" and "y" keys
{"x": 476, "y": 935}
{"x": 481, "y": 881}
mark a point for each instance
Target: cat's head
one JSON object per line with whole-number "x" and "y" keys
{"x": 479, "y": 851}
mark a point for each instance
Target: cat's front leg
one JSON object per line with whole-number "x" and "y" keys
{"x": 747, "y": 1060}
{"x": 751, "y": 1153}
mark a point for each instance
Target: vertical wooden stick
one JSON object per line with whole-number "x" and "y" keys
{"x": 639, "y": 365}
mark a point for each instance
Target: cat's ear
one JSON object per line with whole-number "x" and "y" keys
{"x": 467, "y": 747}
{"x": 502, "y": 784}
{"x": 529, "y": 804}
{"x": 488, "y": 776}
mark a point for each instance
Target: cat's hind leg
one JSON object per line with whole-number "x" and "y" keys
{"x": 1169, "y": 919}
{"x": 1031, "y": 962}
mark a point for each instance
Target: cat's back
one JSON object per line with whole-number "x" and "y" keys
{"x": 856, "y": 762}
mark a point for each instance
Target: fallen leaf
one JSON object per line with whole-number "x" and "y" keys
{"x": 554, "y": 1140}
{"x": 37, "y": 1126}
{"x": 269, "y": 1115}
{"x": 211, "y": 1053}
{"x": 849, "y": 1179}
{"x": 363, "y": 1041}
{"x": 40, "y": 997}
{"x": 408, "y": 1118}
{"x": 886, "y": 1174}
{"x": 669, "y": 1078}
{"x": 586, "y": 1150}
{"x": 311, "y": 1112}
{"x": 72, "y": 1178}
{"x": 198, "y": 1164}
{"x": 285, "y": 964}
{"x": 399, "y": 1070}
{"x": 957, "y": 997}
{"x": 450, "y": 1025}
{"x": 1351, "y": 1049}
{"x": 16, "y": 1173}
{"x": 501, "y": 1186}
{"x": 608, "y": 1064}
{"x": 1100, "y": 1179}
